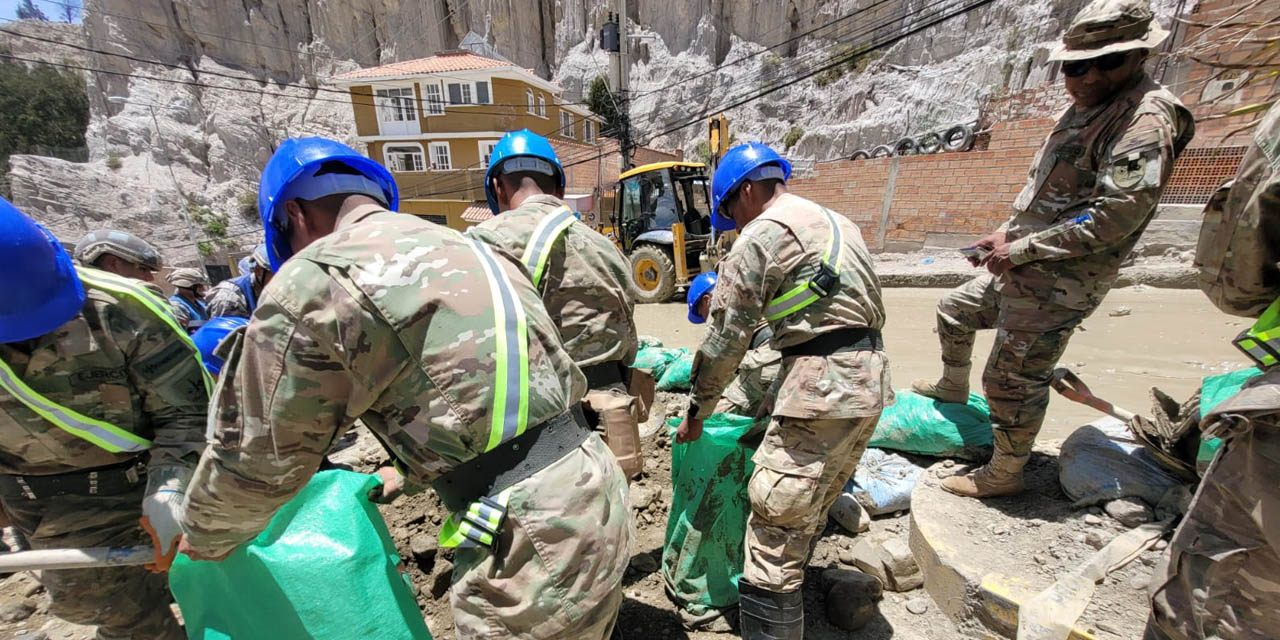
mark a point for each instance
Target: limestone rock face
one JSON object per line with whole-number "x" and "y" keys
{"x": 204, "y": 89}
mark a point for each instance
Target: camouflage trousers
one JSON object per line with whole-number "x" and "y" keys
{"x": 1030, "y": 338}
{"x": 557, "y": 568}
{"x": 789, "y": 501}
{"x": 125, "y": 602}
{"x": 1221, "y": 578}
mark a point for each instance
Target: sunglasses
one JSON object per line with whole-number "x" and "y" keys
{"x": 1109, "y": 62}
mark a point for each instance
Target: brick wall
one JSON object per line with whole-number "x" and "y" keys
{"x": 596, "y": 165}
{"x": 902, "y": 203}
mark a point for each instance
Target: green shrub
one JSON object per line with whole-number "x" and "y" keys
{"x": 113, "y": 162}
{"x": 793, "y": 136}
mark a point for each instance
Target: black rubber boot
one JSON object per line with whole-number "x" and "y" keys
{"x": 769, "y": 615}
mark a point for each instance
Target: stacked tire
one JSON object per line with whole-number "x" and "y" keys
{"x": 953, "y": 140}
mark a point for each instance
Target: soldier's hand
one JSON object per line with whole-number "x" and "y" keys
{"x": 999, "y": 262}
{"x": 991, "y": 240}
{"x": 391, "y": 488}
{"x": 690, "y": 429}
{"x": 185, "y": 548}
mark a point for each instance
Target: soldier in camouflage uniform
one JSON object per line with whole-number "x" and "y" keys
{"x": 186, "y": 302}
{"x": 123, "y": 254}
{"x": 441, "y": 345}
{"x": 806, "y": 271}
{"x": 582, "y": 277}
{"x": 1221, "y": 578}
{"x": 238, "y": 296}
{"x": 757, "y": 374}
{"x": 102, "y": 413}
{"x": 1091, "y": 191}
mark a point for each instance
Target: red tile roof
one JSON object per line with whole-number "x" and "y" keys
{"x": 439, "y": 63}
{"x": 477, "y": 212}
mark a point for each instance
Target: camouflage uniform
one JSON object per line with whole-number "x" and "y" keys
{"x": 1109, "y": 163}
{"x": 118, "y": 363}
{"x": 1221, "y": 578}
{"x": 329, "y": 343}
{"x": 826, "y": 406}
{"x": 226, "y": 299}
{"x": 585, "y": 292}
{"x": 757, "y": 378}
{"x": 191, "y": 315}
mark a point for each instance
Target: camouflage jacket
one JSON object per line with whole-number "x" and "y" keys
{"x": 226, "y": 299}
{"x": 1091, "y": 191}
{"x": 584, "y": 286}
{"x": 776, "y": 252}
{"x": 389, "y": 319}
{"x": 1239, "y": 250}
{"x": 116, "y": 362}
{"x": 756, "y": 380}
{"x": 182, "y": 311}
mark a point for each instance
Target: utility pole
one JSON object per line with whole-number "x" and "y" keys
{"x": 625, "y": 143}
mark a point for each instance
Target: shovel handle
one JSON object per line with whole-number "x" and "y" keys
{"x": 1071, "y": 387}
{"x": 87, "y": 558}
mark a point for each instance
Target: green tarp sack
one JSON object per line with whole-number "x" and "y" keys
{"x": 656, "y": 359}
{"x": 1213, "y": 390}
{"x": 924, "y": 426}
{"x": 702, "y": 555}
{"x": 677, "y": 374}
{"x": 325, "y": 568}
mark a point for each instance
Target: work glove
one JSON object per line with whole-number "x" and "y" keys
{"x": 162, "y": 512}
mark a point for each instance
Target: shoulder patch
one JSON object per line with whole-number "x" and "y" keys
{"x": 1128, "y": 172}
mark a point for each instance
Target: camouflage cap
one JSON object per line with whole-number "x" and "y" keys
{"x": 187, "y": 277}
{"x": 1110, "y": 26}
{"x": 125, "y": 246}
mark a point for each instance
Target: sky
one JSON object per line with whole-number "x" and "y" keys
{"x": 9, "y": 9}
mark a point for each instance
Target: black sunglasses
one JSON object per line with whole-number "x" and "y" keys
{"x": 1109, "y": 62}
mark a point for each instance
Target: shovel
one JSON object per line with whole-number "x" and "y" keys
{"x": 87, "y": 558}
{"x": 1073, "y": 388}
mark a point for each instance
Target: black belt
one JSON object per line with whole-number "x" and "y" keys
{"x": 761, "y": 336}
{"x": 832, "y": 342}
{"x": 103, "y": 481}
{"x": 605, "y": 374}
{"x": 513, "y": 460}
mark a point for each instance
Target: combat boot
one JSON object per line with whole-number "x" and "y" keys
{"x": 953, "y": 386}
{"x": 1000, "y": 477}
{"x": 769, "y": 615}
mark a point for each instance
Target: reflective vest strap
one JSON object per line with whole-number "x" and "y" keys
{"x": 1261, "y": 342}
{"x": 245, "y": 284}
{"x": 478, "y": 526}
{"x": 795, "y": 299}
{"x": 510, "y": 413}
{"x": 153, "y": 303}
{"x": 102, "y": 434}
{"x": 544, "y": 238}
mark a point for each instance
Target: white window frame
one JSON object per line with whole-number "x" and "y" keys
{"x": 391, "y": 166}
{"x": 588, "y": 135}
{"x": 528, "y": 96}
{"x": 488, "y": 91}
{"x": 432, "y": 147}
{"x": 403, "y": 109}
{"x": 466, "y": 93}
{"x": 542, "y": 105}
{"x": 566, "y": 124}
{"x": 485, "y": 147}
{"x": 432, "y": 106}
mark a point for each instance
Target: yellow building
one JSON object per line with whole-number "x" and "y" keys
{"x": 434, "y": 121}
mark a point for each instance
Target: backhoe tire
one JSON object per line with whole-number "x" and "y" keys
{"x": 653, "y": 274}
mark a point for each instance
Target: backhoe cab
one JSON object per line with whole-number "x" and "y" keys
{"x": 661, "y": 220}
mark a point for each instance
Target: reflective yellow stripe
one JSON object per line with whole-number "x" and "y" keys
{"x": 453, "y": 533}
{"x": 152, "y": 302}
{"x": 103, "y": 434}
{"x": 793, "y": 301}
{"x": 1261, "y": 342}
{"x": 544, "y": 238}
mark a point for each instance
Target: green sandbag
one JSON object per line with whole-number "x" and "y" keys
{"x": 922, "y": 425}
{"x": 702, "y": 555}
{"x": 676, "y": 375}
{"x": 1213, "y": 390}
{"x": 655, "y": 359}
{"x": 325, "y": 568}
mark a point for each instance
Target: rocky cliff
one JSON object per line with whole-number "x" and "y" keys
{"x": 188, "y": 97}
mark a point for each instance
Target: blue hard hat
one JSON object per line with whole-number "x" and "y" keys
{"x": 521, "y": 144}
{"x": 750, "y": 161}
{"x": 702, "y": 285}
{"x": 290, "y": 174}
{"x": 42, "y": 290}
{"x": 210, "y": 335}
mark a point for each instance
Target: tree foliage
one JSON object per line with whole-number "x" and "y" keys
{"x": 27, "y": 10}
{"x": 41, "y": 108}
{"x": 603, "y": 103}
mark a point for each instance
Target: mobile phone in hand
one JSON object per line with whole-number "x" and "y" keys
{"x": 975, "y": 255}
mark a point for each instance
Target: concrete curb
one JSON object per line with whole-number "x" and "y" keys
{"x": 1158, "y": 276}
{"x": 981, "y": 602}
